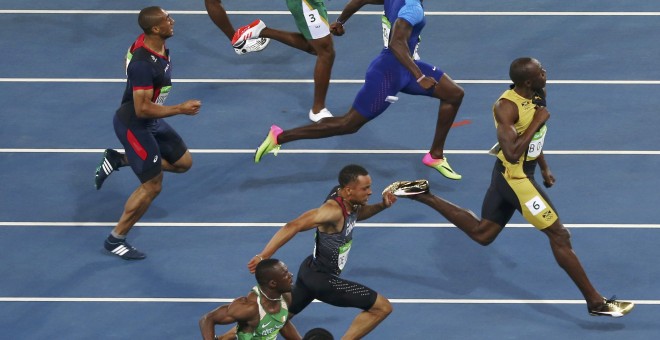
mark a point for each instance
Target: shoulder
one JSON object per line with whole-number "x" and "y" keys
{"x": 244, "y": 307}
{"x": 505, "y": 107}
{"x": 412, "y": 11}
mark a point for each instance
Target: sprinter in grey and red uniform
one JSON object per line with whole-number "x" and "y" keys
{"x": 318, "y": 276}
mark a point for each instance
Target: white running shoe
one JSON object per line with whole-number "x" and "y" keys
{"x": 252, "y": 45}
{"x": 316, "y": 117}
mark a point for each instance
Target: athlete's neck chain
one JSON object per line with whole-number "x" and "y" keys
{"x": 266, "y": 296}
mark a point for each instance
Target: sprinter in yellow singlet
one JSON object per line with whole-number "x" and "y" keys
{"x": 520, "y": 116}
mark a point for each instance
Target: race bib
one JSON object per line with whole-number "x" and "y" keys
{"x": 535, "y": 205}
{"x": 164, "y": 92}
{"x": 387, "y": 27}
{"x": 343, "y": 254}
{"x": 536, "y": 145}
{"x": 317, "y": 27}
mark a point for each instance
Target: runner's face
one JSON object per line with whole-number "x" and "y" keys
{"x": 284, "y": 278}
{"x": 166, "y": 26}
{"x": 360, "y": 190}
{"x": 539, "y": 76}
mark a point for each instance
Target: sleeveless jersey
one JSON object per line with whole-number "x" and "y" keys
{"x": 331, "y": 250}
{"x": 527, "y": 162}
{"x": 269, "y": 324}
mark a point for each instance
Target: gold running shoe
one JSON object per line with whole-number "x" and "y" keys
{"x": 613, "y": 308}
{"x": 408, "y": 188}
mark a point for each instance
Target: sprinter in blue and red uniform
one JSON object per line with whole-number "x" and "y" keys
{"x": 396, "y": 69}
{"x": 151, "y": 145}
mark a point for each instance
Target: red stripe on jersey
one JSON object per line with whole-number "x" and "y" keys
{"x": 135, "y": 144}
{"x": 137, "y": 88}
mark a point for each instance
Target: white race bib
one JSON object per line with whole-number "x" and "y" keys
{"x": 536, "y": 145}
{"x": 318, "y": 28}
{"x": 164, "y": 92}
{"x": 343, "y": 254}
{"x": 535, "y": 205}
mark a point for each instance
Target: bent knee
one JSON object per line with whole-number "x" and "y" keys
{"x": 455, "y": 95}
{"x": 382, "y": 307}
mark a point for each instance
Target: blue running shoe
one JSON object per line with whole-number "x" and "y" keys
{"x": 124, "y": 250}
{"x": 111, "y": 161}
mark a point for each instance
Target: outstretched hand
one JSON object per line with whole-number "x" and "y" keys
{"x": 252, "y": 265}
{"x": 388, "y": 199}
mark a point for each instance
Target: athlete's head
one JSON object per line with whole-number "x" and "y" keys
{"x": 274, "y": 274}
{"x": 355, "y": 184}
{"x": 156, "y": 21}
{"x": 527, "y": 72}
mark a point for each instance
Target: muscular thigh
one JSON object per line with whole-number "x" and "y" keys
{"x": 330, "y": 289}
{"x": 311, "y": 17}
{"x": 528, "y": 197}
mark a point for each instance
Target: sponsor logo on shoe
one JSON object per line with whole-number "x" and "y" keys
{"x": 121, "y": 250}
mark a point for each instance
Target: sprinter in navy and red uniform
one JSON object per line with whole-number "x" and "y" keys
{"x": 151, "y": 145}
{"x": 318, "y": 276}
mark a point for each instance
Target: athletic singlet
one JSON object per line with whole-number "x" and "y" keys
{"x": 269, "y": 324}
{"x": 145, "y": 70}
{"x": 331, "y": 250}
{"x": 527, "y": 161}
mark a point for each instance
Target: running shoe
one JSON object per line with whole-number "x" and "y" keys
{"x": 316, "y": 117}
{"x": 408, "y": 188}
{"x": 247, "y": 32}
{"x": 442, "y": 166}
{"x": 111, "y": 161}
{"x": 269, "y": 144}
{"x": 123, "y": 250}
{"x": 612, "y": 307}
{"x": 253, "y": 45}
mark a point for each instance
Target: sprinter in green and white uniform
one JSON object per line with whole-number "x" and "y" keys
{"x": 262, "y": 314}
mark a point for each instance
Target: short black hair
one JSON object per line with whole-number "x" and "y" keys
{"x": 149, "y": 17}
{"x": 520, "y": 70}
{"x": 265, "y": 270}
{"x": 318, "y": 334}
{"x": 350, "y": 173}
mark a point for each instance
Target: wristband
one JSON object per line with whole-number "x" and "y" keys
{"x": 421, "y": 78}
{"x": 259, "y": 256}
{"x": 340, "y": 22}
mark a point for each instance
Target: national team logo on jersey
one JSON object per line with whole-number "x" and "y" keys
{"x": 548, "y": 215}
